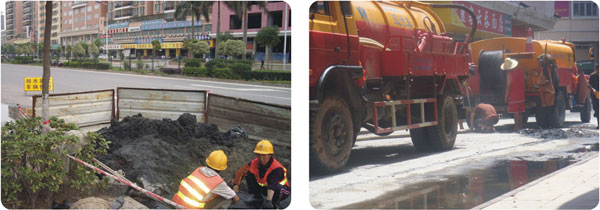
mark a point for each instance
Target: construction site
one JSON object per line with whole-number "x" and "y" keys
{"x": 149, "y": 154}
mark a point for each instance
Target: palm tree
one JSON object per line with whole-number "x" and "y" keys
{"x": 46, "y": 60}
{"x": 241, "y": 10}
{"x": 196, "y": 9}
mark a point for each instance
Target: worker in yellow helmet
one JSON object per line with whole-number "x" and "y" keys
{"x": 204, "y": 188}
{"x": 265, "y": 176}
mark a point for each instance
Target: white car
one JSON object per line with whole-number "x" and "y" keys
{"x": 103, "y": 56}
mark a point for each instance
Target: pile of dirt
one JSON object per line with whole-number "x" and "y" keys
{"x": 559, "y": 133}
{"x": 158, "y": 154}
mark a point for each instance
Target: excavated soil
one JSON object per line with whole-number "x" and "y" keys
{"x": 158, "y": 154}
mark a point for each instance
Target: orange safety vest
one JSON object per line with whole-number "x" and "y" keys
{"x": 274, "y": 165}
{"x": 193, "y": 190}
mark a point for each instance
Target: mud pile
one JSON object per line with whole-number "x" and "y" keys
{"x": 559, "y": 133}
{"x": 158, "y": 154}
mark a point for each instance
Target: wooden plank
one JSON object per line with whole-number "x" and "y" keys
{"x": 182, "y": 106}
{"x": 158, "y": 115}
{"x": 260, "y": 120}
{"x": 82, "y": 108}
{"x": 163, "y": 95}
{"x": 76, "y": 98}
{"x": 160, "y": 103}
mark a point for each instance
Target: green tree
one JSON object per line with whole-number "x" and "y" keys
{"x": 99, "y": 43}
{"x": 69, "y": 50}
{"x": 268, "y": 37}
{"x": 241, "y": 10}
{"x": 78, "y": 50}
{"x": 155, "y": 47}
{"x": 195, "y": 9}
{"x": 85, "y": 48}
{"x": 58, "y": 51}
{"x": 25, "y": 49}
{"x": 8, "y": 48}
{"x": 202, "y": 48}
{"x": 233, "y": 48}
{"x": 94, "y": 51}
{"x": 222, "y": 37}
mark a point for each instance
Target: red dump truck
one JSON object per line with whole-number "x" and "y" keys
{"x": 384, "y": 66}
{"x": 488, "y": 83}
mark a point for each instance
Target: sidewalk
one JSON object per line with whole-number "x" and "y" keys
{"x": 573, "y": 187}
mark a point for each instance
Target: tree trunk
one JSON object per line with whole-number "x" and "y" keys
{"x": 268, "y": 56}
{"x": 245, "y": 26}
{"x": 218, "y": 28}
{"x": 193, "y": 38}
{"x": 46, "y": 60}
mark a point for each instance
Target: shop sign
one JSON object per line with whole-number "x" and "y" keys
{"x": 113, "y": 47}
{"x": 105, "y": 36}
{"x": 200, "y": 37}
{"x": 118, "y": 25}
{"x": 562, "y": 8}
{"x": 118, "y": 30}
{"x": 134, "y": 29}
{"x": 172, "y": 45}
{"x": 487, "y": 20}
{"x": 174, "y": 24}
{"x": 147, "y": 40}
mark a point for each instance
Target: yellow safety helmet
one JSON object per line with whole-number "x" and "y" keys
{"x": 217, "y": 160}
{"x": 264, "y": 147}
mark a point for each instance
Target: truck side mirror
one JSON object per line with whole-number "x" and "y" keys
{"x": 472, "y": 69}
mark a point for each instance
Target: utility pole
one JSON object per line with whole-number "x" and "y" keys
{"x": 285, "y": 23}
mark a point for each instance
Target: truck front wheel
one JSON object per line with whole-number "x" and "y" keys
{"x": 331, "y": 134}
{"x": 442, "y": 136}
{"x": 558, "y": 113}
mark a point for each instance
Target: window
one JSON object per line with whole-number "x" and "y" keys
{"x": 234, "y": 22}
{"x": 157, "y": 7}
{"x": 142, "y": 12}
{"x": 65, "y": 14}
{"x": 89, "y": 8}
{"x": 76, "y": 11}
{"x": 275, "y": 19}
{"x": 208, "y": 28}
{"x": 320, "y": 8}
{"x": 96, "y": 16}
{"x": 70, "y": 12}
{"x": 76, "y": 19}
{"x": 71, "y": 21}
{"x": 97, "y": 6}
{"x": 255, "y": 19}
{"x": 585, "y": 9}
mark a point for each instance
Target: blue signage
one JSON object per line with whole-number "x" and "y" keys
{"x": 147, "y": 40}
{"x": 118, "y": 25}
{"x": 174, "y": 24}
{"x": 200, "y": 37}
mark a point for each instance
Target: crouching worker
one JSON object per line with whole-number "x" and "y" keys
{"x": 204, "y": 188}
{"x": 265, "y": 176}
{"x": 483, "y": 118}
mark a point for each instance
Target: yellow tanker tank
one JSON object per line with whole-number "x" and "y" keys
{"x": 561, "y": 52}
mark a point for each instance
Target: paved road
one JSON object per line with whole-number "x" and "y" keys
{"x": 69, "y": 80}
{"x": 387, "y": 172}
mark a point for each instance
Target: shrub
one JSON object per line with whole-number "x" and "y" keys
{"x": 23, "y": 60}
{"x": 195, "y": 71}
{"x": 127, "y": 64}
{"x": 192, "y": 62}
{"x": 225, "y": 73}
{"x": 236, "y": 61}
{"x": 170, "y": 70}
{"x": 216, "y": 63}
{"x": 268, "y": 75}
{"x": 240, "y": 68}
{"x": 33, "y": 164}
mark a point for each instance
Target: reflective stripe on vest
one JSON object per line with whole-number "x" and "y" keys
{"x": 263, "y": 181}
{"x": 193, "y": 190}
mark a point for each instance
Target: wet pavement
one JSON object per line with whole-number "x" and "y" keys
{"x": 467, "y": 190}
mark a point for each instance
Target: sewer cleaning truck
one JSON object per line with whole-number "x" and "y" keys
{"x": 569, "y": 85}
{"x": 384, "y": 66}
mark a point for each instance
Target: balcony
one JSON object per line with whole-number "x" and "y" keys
{"x": 78, "y": 4}
{"x": 123, "y": 5}
{"x": 27, "y": 4}
{"x": 10, "y": 5}
{"x": 27, "y": 10}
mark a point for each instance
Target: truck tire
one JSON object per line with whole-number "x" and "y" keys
{"x": 586, "y": 112}
{"x": 331, "y": 134}
{"x": 442, "y": 136}
{"x": 557, "y": 112}
{"x": 419, "y": 138}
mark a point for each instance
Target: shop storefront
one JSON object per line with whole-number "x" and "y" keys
{"x": 491, "y": 23}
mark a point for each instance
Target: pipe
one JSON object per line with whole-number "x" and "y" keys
{"x": 456, "y": 6}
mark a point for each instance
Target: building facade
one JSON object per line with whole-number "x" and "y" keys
{"x": 56, "y": 23}
{"x": 578, "y": 23}
{"x": 21, "y": 21}
{"x": 82, "y": 21}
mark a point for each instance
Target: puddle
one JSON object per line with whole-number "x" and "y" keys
{"x": 468, "y": 190}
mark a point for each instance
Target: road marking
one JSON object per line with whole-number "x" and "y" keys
{"x": 168, "y": 78}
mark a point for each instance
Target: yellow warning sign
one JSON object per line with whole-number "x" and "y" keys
{"x": 35, "y": 84}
